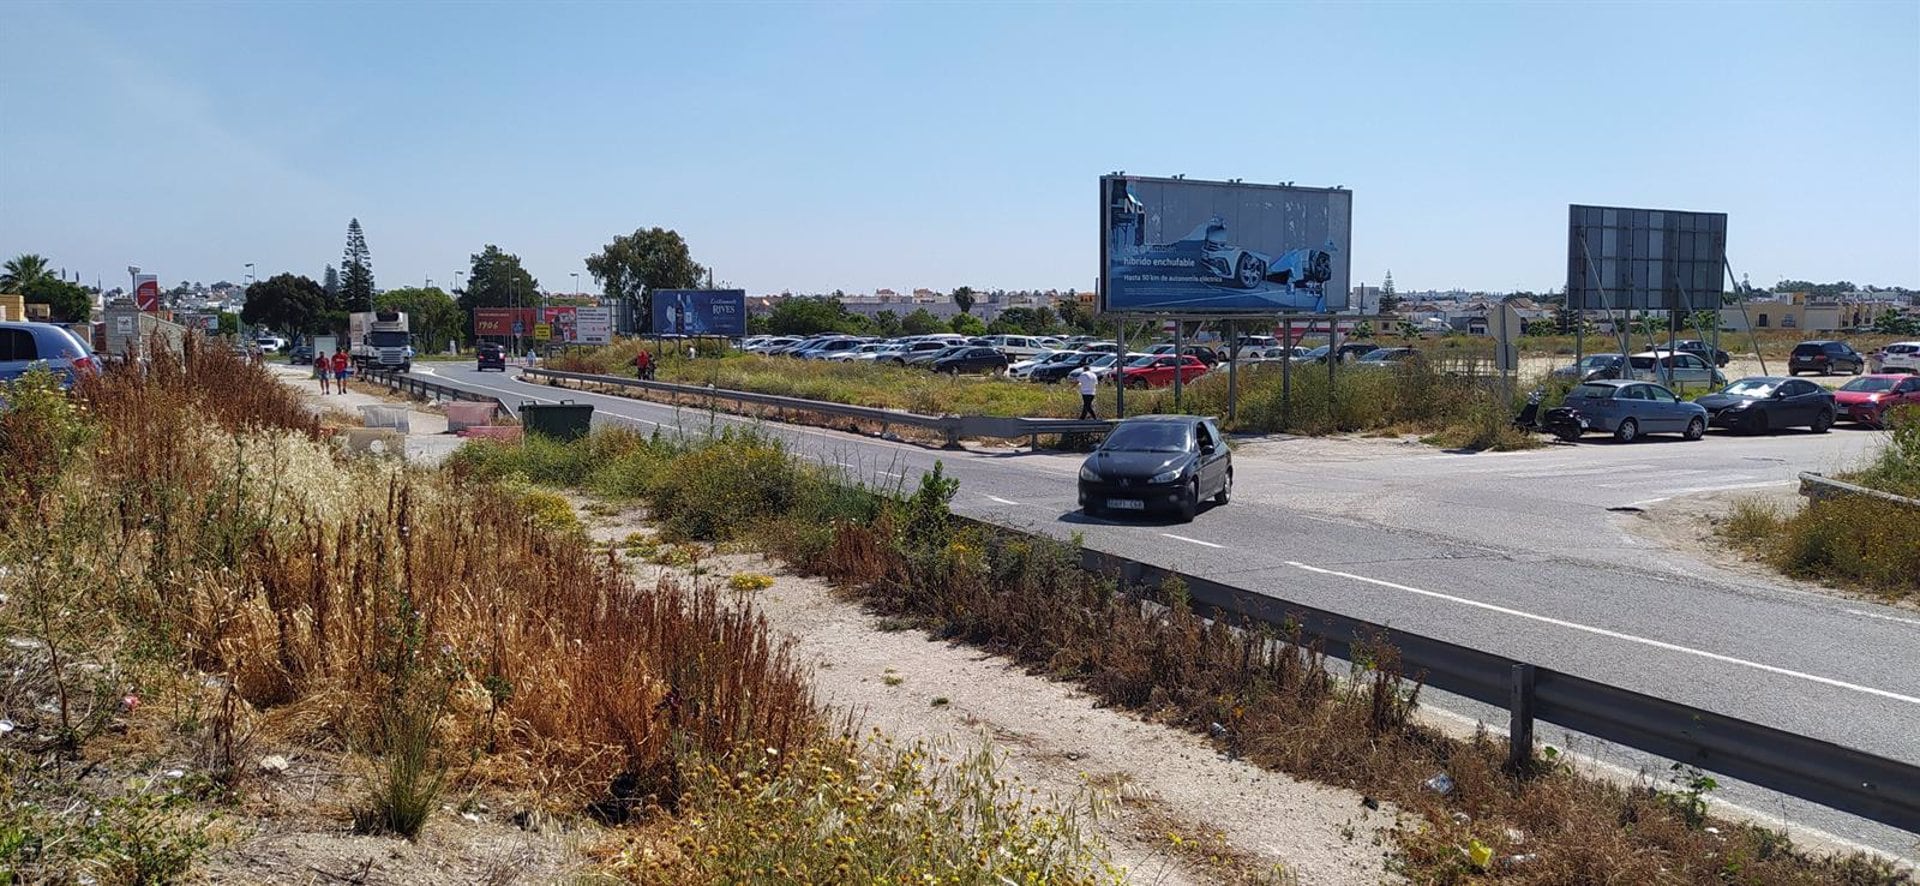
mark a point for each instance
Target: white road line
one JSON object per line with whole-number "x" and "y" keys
{"x": 1615, "y": 635}
{"x": 1002, "y": 500}
{"x": 1904, "y": 621}
{"x": 1191, "y": 540}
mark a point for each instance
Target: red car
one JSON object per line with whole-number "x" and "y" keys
{"x": 1158, "y": 370}
{"x": 1869, "y": 398}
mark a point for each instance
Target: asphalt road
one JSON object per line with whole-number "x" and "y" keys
{"x": 1512, "y": 553}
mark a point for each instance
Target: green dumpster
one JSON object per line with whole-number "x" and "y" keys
{"x": 564, "y": 421}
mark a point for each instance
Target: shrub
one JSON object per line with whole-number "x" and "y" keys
{"x": 724, "y": 486}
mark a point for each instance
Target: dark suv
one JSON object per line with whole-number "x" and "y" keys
{"x": 491, "y": 356}
{"x": 1825, "y": 357}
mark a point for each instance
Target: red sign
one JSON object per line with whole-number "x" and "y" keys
{"x": 146, "y": 292}
{"x": 503, "y": 322}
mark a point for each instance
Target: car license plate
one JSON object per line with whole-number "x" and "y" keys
{"x": 1126, "y": 504}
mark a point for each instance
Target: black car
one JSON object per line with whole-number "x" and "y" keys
{"x": 1054, "y": 372}
{"x": 491, "y": 356}
{"x": 1158, "y": 463}
{"x": 300, "y": 355}
{"x": 970, "y": 359}
{"x": 1704, "y": 351}
{"x": 1763, "y": 403}
{"x": 1826, "y": 358}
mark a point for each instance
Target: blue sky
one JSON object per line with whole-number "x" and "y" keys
{"x": 858, "y": 146}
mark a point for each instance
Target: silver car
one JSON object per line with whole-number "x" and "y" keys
{"x": 1629, "y": 409}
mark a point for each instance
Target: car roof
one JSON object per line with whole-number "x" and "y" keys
{"x": 1616, "y": 382}
{"x": 1160, "y": 419}
{"x": 1819, "y": 341}
{"x": 1769, "y": 379}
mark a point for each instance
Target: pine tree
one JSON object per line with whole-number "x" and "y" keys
{"x": 331, "y": 283}
{"x": 1389, "y": 301}
{"x": 356, "y": 271}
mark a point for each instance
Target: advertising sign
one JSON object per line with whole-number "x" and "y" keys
{"x": 1645, "y": 259}
{"x": 502, "y": 322}
{"x": 1202, "y": 247}
{"x": 146, "y": 292}
{"x": 594, "y": 326}
{"x": 720, "y": 312}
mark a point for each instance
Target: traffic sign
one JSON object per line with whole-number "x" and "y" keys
{"x": 542, "y": 331}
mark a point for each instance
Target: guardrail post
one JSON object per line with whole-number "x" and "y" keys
{"x": 1520, "y": 719}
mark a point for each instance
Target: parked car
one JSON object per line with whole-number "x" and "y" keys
{"x": 1103, "y": 347}
{"x": 1626, "y": 409}
{"x": 489, "y": 356}
{"x": 1200, "y": 352}
{"x": 1869, "y": 398}
{"x": 1250, "y": 356}
{"x": 826, "y": 349}
{"x": 269, "y": 344}
{"x": 1158, "y": 462}
{"x": 867, "y": 350}
{"x": 925, "y": 356}
{"x": 1020, "y": 368}
{"x": 300, "y": 355}
{"x": 1825, "y": 357}
{"x": 1704, "y": 351}
{"x": 1060, "y": 366}
{"x": 26, "y": 345}
{"x": 1354, "y": 350}
{"x": 1673, "y": 368}
{"x": 768, "y": 344}
{"x": 1387, "y": 357}
{"x": 971, "y": 359}
{"x": 1760, "y": 403}
{"x": 1256, "y": 341}
{"x": 1159, "y": 370}
{"x": 1901, "y": 356}
{"x": 1015, "y": 346}
{"x": 1593, "y": 366}
{"x": 1315, "y": 355}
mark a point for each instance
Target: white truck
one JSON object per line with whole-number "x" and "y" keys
{"x": 379, "y": 340}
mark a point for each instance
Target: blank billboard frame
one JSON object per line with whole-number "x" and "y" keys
{"x": 1640, "y": 259}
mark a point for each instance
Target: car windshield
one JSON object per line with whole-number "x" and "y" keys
{"x": 1320, "y": 351}
{"x": 1805, "y": 350}
{"x": 1870, "y": 384}
{"x": 1144, "y": 360}
{"x": 1598, "y": 361}
{"x": 1381, "y": 355}
{"x": 1103, "y": 362}
{"x": 387, "y": 339}
{"x": 1148, "y": 436}
{"x": 1062, "y": 357}
{"x": 1753, "y": 387}
{"x": 1590, "y": 392}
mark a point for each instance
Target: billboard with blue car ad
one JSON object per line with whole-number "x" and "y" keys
{"x": 721, "y": 312}
{"x": 1185, "y": 246}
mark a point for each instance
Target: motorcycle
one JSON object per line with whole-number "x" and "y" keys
{"x": 1563, "y": 422}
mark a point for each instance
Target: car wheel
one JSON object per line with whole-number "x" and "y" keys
{"x": 1696, "y": 428}
{"x": 1626, "y": 430}
{"x": 1190, "y": 503}
{"x": 1138, "y": 384}
{"x": 1822, "y": 422}
{"x": 1250, "y": 272}
{"x": 1226, "y": 489}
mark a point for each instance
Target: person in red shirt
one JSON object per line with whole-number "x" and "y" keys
{"x": 323, "y": 370}
{"x": 340, "y": 370}
{"x": 643, "y": 364}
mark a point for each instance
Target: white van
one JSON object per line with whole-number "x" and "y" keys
{"x": 1016, "y": 347}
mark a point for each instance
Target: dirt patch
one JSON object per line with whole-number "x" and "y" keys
{"x": 1169, "y": 806}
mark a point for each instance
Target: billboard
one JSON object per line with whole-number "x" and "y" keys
{"x": 593, "y": 326}
{"x": 1197, "y": 247}
{"x": 146, "y": 292}
{"x": 502, "y": 322}
{"x": 700, "y": 312}
{"x": 564, "y": 323}
{"x": 1620, "y": 258}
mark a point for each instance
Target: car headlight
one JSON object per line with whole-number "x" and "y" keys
{"x": 1741, "y": 404}
{"x": 1088, "y": 474}
{"x": 1167, "y": 476}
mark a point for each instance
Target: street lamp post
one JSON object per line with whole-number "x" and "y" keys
{"x": 249, "y": 273}
{"x": 456, "y": 279}
{"x": 576, "y": 282}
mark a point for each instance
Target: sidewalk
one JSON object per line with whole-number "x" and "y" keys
{"x": 427, "y": 440}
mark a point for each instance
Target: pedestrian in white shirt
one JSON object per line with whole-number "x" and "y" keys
{"x": 1089, "y": 386}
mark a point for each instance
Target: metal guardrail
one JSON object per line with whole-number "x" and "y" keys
{"x": 400, "y": 382}
{"x": 1817, "y": 487}
{"x": 952, "y": 428}
{"x": 1852, "y": 781}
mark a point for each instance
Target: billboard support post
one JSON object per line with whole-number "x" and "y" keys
{"x": 1233, "y": 367}
{"x": 1286, "y": 381}
{"x": 1179, "y": 359}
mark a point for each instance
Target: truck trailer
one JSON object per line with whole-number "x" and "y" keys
{"x": 379, "y": 340}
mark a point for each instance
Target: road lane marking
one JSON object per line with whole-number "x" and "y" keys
{"x": 1904, "y": 621}
{"x": 1002, "y": 500}
{"x": 1191, "y": 540}
{"x": 1614, "y": 635}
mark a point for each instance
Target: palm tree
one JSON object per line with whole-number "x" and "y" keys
{"x": 23, "y": 272}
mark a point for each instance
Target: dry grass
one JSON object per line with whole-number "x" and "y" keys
{"x": 445, "y": 631}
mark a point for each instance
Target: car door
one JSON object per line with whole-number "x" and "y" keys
{"x": 1907, "y": 393}
{"x": 17, "y": 352}
{"x": 1210, "y": 453}
{"x": 1635, "y": 402}
{"x": 1693, "y": 370}
{"x": 1796, "y": 403}
{"x": 1662, "y": 409}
